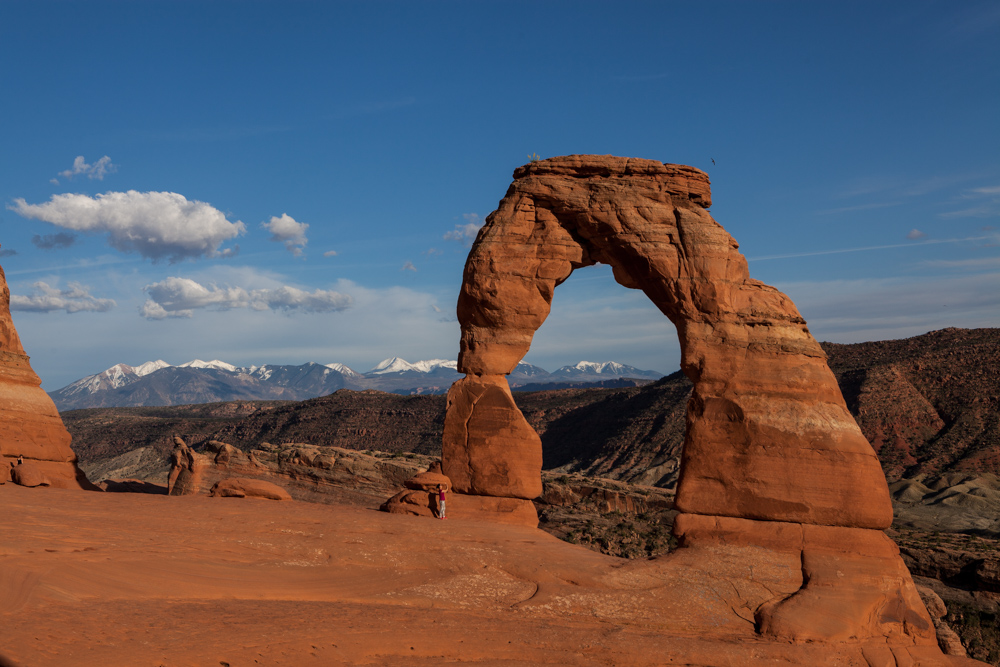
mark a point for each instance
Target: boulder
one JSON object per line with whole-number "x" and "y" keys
{"x": 235, "y": 487}
{"x": 428, "y": 481}
{"x": 28, "y": 474}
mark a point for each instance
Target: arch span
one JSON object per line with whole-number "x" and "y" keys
{"x": 769, "y": 436}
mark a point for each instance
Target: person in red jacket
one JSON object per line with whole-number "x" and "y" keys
{"x": 441, "y": 514}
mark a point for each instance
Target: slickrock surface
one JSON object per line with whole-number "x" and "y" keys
{"x": 30, "y": 426}
{"x": 133, "y": 579}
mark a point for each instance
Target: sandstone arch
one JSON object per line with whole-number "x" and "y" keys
{"x": 768, "y": 434}
{"x": 782, "y": 499}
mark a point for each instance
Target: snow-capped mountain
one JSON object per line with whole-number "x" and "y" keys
{"x": 397, "y": 365}
{"x": 604, "y": 370}
{"x": 341, "y": 368}
{"x": 197, "y": 381}
{"x": 216, "y": 364}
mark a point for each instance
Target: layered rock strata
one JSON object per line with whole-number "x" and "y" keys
{"x": 779, "y": 490}
{"x": 30, "y": 427}
{"x": 310, "y": 473}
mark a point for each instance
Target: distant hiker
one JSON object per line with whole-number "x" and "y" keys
{"x": 20, "y": 460}
{"x": 441, "y": 502}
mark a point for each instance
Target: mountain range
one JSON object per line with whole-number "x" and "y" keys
{"x": 928, "y": 404}
{"x": 157, "y": 383}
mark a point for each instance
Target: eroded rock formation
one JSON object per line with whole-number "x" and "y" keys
{"x": 769, "y": 436}
{"x": 30, "y": 427}
{"x": 780, "y": 493}
{"x": 310, "y": 473}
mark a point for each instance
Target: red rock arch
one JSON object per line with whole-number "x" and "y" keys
{"x": 768, "y": 434}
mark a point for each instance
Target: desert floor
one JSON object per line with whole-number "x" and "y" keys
{"x": 129, "y": 579}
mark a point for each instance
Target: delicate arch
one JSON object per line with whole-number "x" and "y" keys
{"x": 768, "y": 434}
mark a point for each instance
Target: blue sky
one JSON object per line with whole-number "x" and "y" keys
{"x": 856, "y": 148}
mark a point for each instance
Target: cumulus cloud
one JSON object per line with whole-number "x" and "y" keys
{"x": 157, "y": 225}
{"x": 180, "y": 297}
{"x": 330, "y": 253}
{"x": 98, "y": 170}
{"x": 50, "y": 241}
{"x": 286, "y": 230}
{"x": 915, "y": 234}
{"x": 466, "y": 233}
{"x": 408, "y": 266}
{"x": 46, "y": 299}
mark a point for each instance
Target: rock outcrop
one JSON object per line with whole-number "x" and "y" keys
{"x": 328, "y": 475}
{"x": 779, "y": 493}
{"x": 30, "y": 427}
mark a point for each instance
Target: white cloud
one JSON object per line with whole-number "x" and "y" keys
{"x": 466, "y": 233}
{"x": 915, "y": 234}
{"x": 408, "y": 266}
{"x": 330, "y": 253}
{"x": 98, "y": 170}
{"x": 286, "y": 230}
{"x": 74, "y": 299}
{"x": 157, "y": 225}
{"x": 180, "y": 297}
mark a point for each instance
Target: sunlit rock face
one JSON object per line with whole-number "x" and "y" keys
{"x": 769, "y": 436}
{"x": 30, "y": 427}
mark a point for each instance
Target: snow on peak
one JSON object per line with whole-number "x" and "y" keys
{"x": 431, "y": 364}
{"x": 392, "y": 365}
{"x": 215, "y": 363}
{"x": 149, "y": 367}
{"x": 341, "y": 368}
{"x": 397, "y": 365}
{"x": 595, "y": 367}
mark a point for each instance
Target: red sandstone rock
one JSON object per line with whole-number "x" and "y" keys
{"x": 488, "y": 448}
{"x": 30, "y": 426}
{"x": 512, "y": 511}
{"x": 428, "y": 481}
{"x": 309, "y": 473}
{"x": 28, "y": 474}
{"x": 842, "y": 584}
{"x": 769, "y": 436}
{"x": 235, "y": 487}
